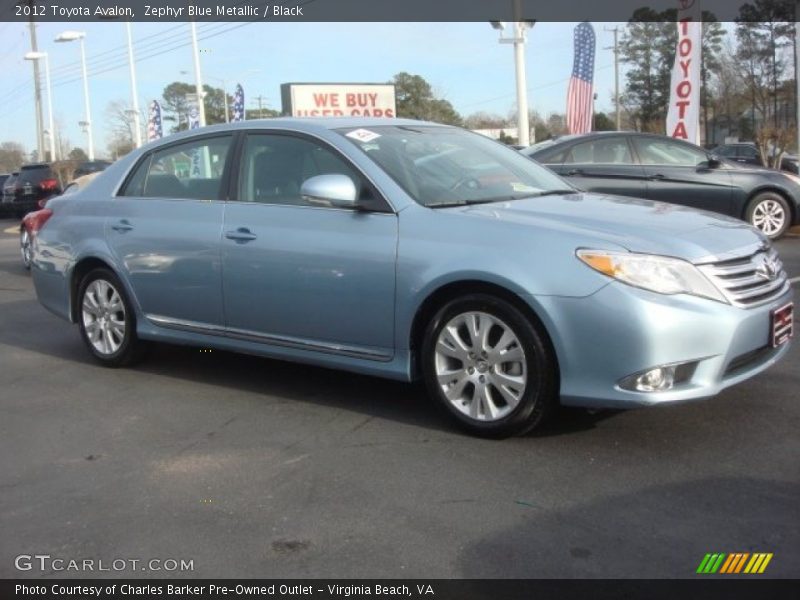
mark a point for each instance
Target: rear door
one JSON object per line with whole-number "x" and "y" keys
{"x": 604, "y": 165}
{"x": 302, "y": 275}
{"x": 679, "y": 173}
{"x": 165, "y": 229}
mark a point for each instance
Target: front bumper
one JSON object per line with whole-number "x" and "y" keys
{"x": 621, "y": 330}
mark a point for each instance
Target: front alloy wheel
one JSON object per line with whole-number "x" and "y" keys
{"x": 489, "y": 366}
{"x": 769, "y": 213}
{"x": 480, "y": 366}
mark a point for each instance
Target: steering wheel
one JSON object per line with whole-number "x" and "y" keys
{"x": 468, "y": 182}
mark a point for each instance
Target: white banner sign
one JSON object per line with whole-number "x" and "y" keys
{"x": 683, "y": 118}
{"x": 341, "y": 100}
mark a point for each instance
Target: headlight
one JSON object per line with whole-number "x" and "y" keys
{"x": 792, "y": 176}
{"x": 651, "y": 272}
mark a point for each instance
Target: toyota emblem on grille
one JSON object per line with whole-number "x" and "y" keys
{"x": 767, "y": 268}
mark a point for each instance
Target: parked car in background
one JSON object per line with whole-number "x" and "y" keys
{"x": 90, "y": 166}
{"x": 3, "y": 177}
{"x": 657, "y": 167}
{"x": 32, "y": 221}
{"x": 747, "y": 153}
{"x": 411, "y": 250}
{"x": 34, "y": 184}
{"x": 9, "y": 191}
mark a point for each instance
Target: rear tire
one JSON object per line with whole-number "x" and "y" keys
{"x": 106, "y": 320}
{"x": 769, "y": 213}
{"x": 25, "y": 248}
{"x": 489, "y": 367}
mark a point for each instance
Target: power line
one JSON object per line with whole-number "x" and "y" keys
{"x": 140, "y": 57}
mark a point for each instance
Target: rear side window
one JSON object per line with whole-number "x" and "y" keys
{"x": 193, "y": 171}
{"x": 35, "y": 174}
{"x": 601, "y": 152}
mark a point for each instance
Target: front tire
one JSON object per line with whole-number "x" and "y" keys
{"x": 106, "y": 320}
{"x": 489, "y": 367}
{"x": 769, "y": 213}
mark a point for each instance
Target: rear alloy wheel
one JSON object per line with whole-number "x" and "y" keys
{"x": 106, "y": 320}
{"x": 769, "y": 213}
{"x": 489, "y": 367}
{"x": 25, "y": 247}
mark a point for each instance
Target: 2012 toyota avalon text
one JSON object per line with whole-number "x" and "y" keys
{"x": 410, "y": 250}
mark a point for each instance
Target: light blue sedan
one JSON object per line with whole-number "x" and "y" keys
{"x": 410, "y": 250}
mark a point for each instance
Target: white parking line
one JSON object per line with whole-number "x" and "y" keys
{"x": 794, "y": 280}
{"x": 11, "y": 230}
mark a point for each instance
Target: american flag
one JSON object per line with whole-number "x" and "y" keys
{"x": 154, "y": 130}
{"x": 579, "y": 94}
{"x": 238, "y": 104}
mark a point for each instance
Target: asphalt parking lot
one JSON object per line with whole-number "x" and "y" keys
{"x": 257, "y": 468}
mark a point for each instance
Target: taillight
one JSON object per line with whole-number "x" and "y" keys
{"x": 49, "y": 185}
{"x": 38, "y": 219}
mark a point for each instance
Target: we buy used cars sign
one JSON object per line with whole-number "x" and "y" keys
{"x": 338, "y": 100}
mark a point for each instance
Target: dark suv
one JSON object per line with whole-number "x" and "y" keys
{"x": 33, "y": 185}
{"x": 90, "y": 166}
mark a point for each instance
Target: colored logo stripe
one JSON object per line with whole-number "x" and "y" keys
{"x": 734, "y": 563}
{"x": 758, "y": 563}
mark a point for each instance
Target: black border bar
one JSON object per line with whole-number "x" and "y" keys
{"x": 705, "y": 588}
{"x": 358, "y": 10}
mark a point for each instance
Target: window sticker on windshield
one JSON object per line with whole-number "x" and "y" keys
{"x": 363, "y": 135}
{"x": 518, "y": 186}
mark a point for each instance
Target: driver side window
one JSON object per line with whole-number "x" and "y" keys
{"x": 274, "y": 168}
{"x": 655, "y": 151}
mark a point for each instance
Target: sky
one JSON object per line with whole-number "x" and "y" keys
{"x": 463, "y": 62}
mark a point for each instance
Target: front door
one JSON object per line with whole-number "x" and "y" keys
{"x": 310, "y": 276}
{"x": 679, "y": 173}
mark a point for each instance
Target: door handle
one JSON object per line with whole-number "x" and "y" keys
{"x": 122, "y": 226}
{"x": 656, "y": 177}
{"x": 240, "y": 235}
{"x": 575, "y": 172}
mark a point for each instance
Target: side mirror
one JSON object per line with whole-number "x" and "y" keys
{"x": 714, "y": 162}
{"x": 330, "y": 190}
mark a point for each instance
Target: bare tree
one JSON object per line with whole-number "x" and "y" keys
{"x": 120, "y": 127}
{"x": 12, "y": 156}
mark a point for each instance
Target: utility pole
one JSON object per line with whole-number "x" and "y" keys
{"x": 260, "y": 99}
{"x": 615, "y": 48}
{"x": 37, "y": 88}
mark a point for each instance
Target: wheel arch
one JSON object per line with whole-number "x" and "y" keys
{"x": 454, "y": 289}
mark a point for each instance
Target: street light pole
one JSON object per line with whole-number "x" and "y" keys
{"x": 522, "y": 90}
{"x": 198, "y": 78}
{"x": 137, "y": 128}
{"x": 37, "y": 56}
{"x": 518, "y": 39}
{"x": 71, "y": 36}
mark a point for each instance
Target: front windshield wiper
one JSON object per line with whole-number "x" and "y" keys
{"x": 554, "y": 193}
{"x": 500, "y": 199}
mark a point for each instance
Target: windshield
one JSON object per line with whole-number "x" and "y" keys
{"x": 440, "y": 166}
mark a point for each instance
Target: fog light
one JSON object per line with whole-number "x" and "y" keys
{"x": 661, "y": 378}
{"x": 655, "y": 380}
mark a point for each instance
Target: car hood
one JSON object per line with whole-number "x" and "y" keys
{"x": 634, "y": 224}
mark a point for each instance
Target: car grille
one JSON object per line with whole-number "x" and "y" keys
{"x": 749, "y": 280}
